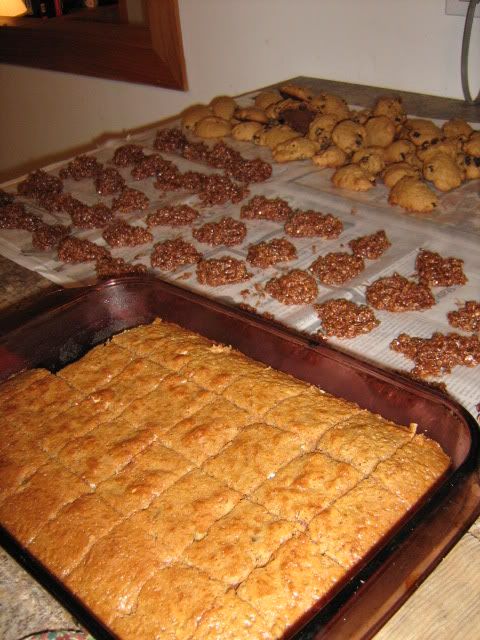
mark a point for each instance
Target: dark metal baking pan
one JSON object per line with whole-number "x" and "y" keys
{"x": 68, "y": 323}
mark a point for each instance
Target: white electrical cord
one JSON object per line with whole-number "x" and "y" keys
{"x": 467, "y": 31}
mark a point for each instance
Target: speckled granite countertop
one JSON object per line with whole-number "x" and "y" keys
{"x": 19, "y": 286}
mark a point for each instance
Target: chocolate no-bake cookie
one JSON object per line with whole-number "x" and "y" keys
{"x": 95, "y": 216}
{"x": 150, "y": 166}
{"x": 438, "y": 354}
{"x": 227, "y": 231}
{"x": 172, "y": 216}
{"x": 337, "y": 267}
{"x": 81, "y": 167}
{"x": 109, "y": 181}
{"x": 345, "y": 319}
{"x": 295, "y": 287}
{"x": 15, "y": 216}
{"x": 467, "y": 317}
{"x": 397, "y": 293}
{"x": 218, "y": 189}
{"x": 75, "y": 250}
{"x": 127, "y": 155}
{"x": 38, "y": 183}
{"x": 435, "y": 271}
{"x": 109, "y": 267}
{"x": 216, "y": 272}
{"x": 47, "y": 236}
{"x": 130, "y": 200}
{"x": 262, "y": 208}
{"x": 266, "y": 254}
{"x": 171, "y": 254}
{"x": 372, "y": 246}
{"x": 121, "y": 234}
{"x": 309, "y": 224}
{"x": 170, "y": 140}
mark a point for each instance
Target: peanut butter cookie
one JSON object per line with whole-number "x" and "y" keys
{"x": 272, "y": 136}
{"x": 398, "y": 170}
{"x": 320, "y": 129}
{"x": 194, "y": 114}
{"x": 212, "y": 127}
{"x": 295, "y": 149}
{"x": 223, "y": 107}
{"x": 349, "y": 136}
{"x": 353, "y": 178}
{"x": 330, "y": 158}
{"x": 423, "y": 132}
{"x": 370, "y": 159}
{"x": 472, "y": 145}
{"x": 392, "y": 107}
{"x": 413, "y": 195}
{"x": 380, "y": 131}
{"x": 251, "y": 113}
{"x": 245, "y": 131}
{"x": 457, "y": 128}
{"x": 443, "y": 172}
{"x": 330, "y": 103}
{"x": 266, "y": 98}
{"x": 397, "y": 151}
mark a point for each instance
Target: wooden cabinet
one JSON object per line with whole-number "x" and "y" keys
{"x": 102, "y": 43}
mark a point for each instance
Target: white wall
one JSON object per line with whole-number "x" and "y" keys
{"x": 232, "y": 46}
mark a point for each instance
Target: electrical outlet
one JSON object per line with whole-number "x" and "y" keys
{"x": 459, "y": 8}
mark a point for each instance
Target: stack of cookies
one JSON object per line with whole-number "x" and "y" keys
{"x": 409, "y": 155}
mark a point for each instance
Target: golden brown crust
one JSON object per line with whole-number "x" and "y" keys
{"x": 223, "y": 107}
{"x": 257, "y": 452}
{"x": 244, "y": 539}
{"x": 364, "y": 440}
{"x": 220, "y": 367}
{"x": 97, "y": 368}
{"x": 356, "y": 522}
{"x": 349, "y": 136}
{"x": 207, "y": 431}
{"x": 78, "y": 526}
{"x": 161, "y": 490}
{"x": 110, "y": 577}
{"x": 270, "y": 387}
{"x": 20, "y": 382}
{"x": 266, "y": 98}
{"x": 413, "y": 469}
{"x": 194, "y": 594}
{"x": 232, "y": 619}
{"x": 332, "y": 157}
{"x": 185, "y": 512}
{"x": 306, "y": 486}
{"x": 18, "y": 462}
{"x": 143, "y": 479}
{"x": 398, "y": 170}
{"x": 310, "y": 414}
{"x": 294, "y": 149}
{"x": 245, "y": 131}
{"x": 34, "y": 503}
{"x": 296, "y": 579}
{"x": 28, "y": 420}
{"x": 194, "y": 114}
{"x": 212, "y": 127}
{"x": 443, "y": 171}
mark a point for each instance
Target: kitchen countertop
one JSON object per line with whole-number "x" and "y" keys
{"x": 446, "y": 603}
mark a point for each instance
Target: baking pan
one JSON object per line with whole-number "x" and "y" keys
{"x": 66, "y": 324}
